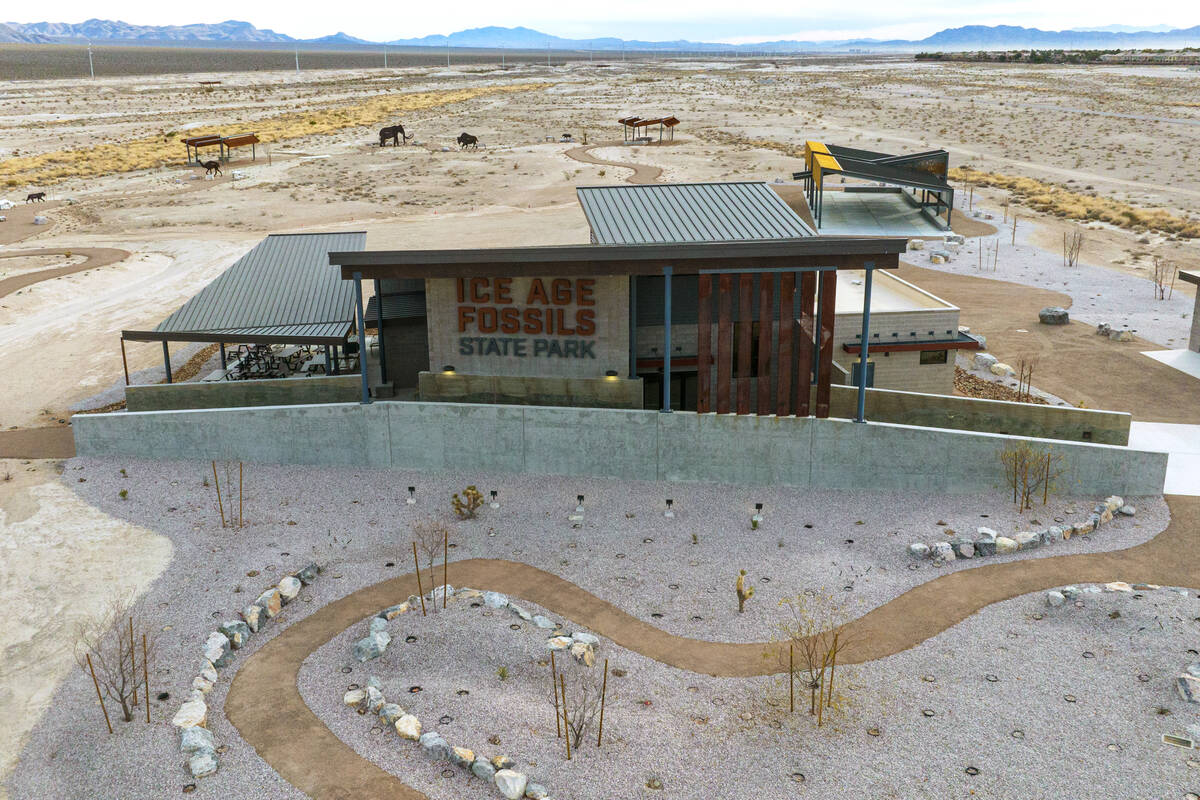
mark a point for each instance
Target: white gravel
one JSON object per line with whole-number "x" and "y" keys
{"x": 357, "y": 521}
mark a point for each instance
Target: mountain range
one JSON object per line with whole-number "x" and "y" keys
{"x": 971, "y": 37}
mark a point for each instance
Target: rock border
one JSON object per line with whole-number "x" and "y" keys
{"x": 991, "y": 543}
{"x": 195, "y": 740}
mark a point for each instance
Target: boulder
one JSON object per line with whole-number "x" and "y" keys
{"x": 985, "y": 547}
{"x": 192, "y": 714}
{"x": 217, "y": 649}
{"x": 584, "y": 653}
{"x": 435, "y": 746}
{"x": 289, "y": 587}
{"x": 1118, "y": 586}
{"x": 482, "y": 769}
{"x": 469, "y": 594}
{"x": 520, "y": 612}
{"x": 374, "y": 682}
{"x": 391, "y": 612}
{"x": 377, "y": 625}
{"x": 1127, "y": 511}
{"x": 502, "y": 762}
{"x": 462, "y": 757}
{"x": 1054, "y": 315}
{"x": 409, "y": 727}
{"x": 196, "y": 740}
{"x": 1103, "y": 329}
{"x": 40, "y": 220}
{"x": 511, "y": 783}
{"x": 1120, "y": 336}
{"x": 494, "y": 600}
{"x": 1055, "y": 599}
{"x": 236, "y": 631}
{"x": 1027, "y": 540}
{"x": 1054, "y": 533}
{"x": 270, "y": 602}
{"x": 586, "y": 638}
{"x": 985, "y": 360}
{"x": 918, "y": 550}
{"x": 986, "y": 533}
{"x": 253, "y": 615}
{"x": 375, "y": 700}
{"x": 1000, "y": 368}
{"x": 202, "y": 685}
{"x": 963, "y": 548}
{"x": 372, "y": 646}
{"x": 560, "y": 642}
{"x": 308, "y": 574}
{"x": 1188, "y": 684}
{"x": 208, "y": 672}
{"x": 543, "y": 622}
{"x": 355, "y": 697}
{"x": 1114, "y": 502}
{"x": 1005, "y": 545}
{"x": 1070, "y": 592}
{"x": 202, "y": 764}
{"x": 535, "y": 791}
{"x": 438, "y": 591}
{"x": 1083, "y": 527}
{"x": 943, "y": 551}
{"x": 390, "y": 712}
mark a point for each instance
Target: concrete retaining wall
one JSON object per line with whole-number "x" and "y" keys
{"x": 641, "y": 445}
{"x": 232, "y": 394}
{"x": 458, "y": 387}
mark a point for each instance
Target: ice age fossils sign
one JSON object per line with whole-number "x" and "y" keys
{"x": 569, "y": 327}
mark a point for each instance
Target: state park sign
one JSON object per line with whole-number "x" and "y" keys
{"x": 573, "y": 327}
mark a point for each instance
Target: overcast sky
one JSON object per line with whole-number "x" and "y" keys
{"x": 698, "y": 20}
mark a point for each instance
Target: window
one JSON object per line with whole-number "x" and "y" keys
{"x": 934, "y": 356}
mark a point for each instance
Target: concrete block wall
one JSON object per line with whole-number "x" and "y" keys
{"x": 225, "y": 394}
{"x": 641, "y": 445}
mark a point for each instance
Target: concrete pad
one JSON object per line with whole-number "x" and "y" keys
{"x": 873, "y": 214}
{"x": 1182, "y": 442}
{"x": 1187, "y": 361}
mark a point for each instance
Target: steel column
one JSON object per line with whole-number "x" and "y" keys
{"x": 379, "y": 332}
{"x": 124, "y": 361}
{"x": 724, "y": 341}
{"x": 746, "y": 327}
{"x": 825, "y": 357}
{"x": 704, "y": 344}
{"x": 362, "y": 337}
{"x": 666, "y": 340}
{"x": 167, "y": 362}
{"x": 862, "y": 352}
{"x": 224, "y": 365}
{"x": 787, "y": 314}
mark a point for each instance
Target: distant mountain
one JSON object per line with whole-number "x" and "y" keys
{"x": 1129, "y": 28}
{"x": 970, "y": 37}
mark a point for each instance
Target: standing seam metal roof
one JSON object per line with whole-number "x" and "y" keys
{"x": 689, "y": 212}
{"x": 283, "y": 287}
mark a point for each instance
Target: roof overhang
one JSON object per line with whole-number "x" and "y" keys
{"x": 812, "y": 252}
{"x": 963, "y": 342}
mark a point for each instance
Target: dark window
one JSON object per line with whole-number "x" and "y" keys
{"x": 934, "y": 356}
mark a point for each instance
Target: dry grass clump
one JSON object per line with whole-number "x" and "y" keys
{"x": 1060, "y": 202}
{"x": 157, "y": 151}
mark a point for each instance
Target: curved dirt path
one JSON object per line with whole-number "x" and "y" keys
{"x": 267, "y": 709}
{"x": 642, "y": 173}
{"x": 94, "y": 258}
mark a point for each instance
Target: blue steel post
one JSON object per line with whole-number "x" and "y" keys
{"x": 666, "y": 340}
{"x": 362, "y": 337}
{"x": 866, "y": 335}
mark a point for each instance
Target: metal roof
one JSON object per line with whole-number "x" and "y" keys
{"x": 396, "y": 306}
{"x": 282, "y": 290}
{"x": 689, "y": 212}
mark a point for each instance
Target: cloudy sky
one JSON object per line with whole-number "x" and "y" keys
{"x": 698, "y": 20}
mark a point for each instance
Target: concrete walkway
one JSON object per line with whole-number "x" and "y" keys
{"x": 265, "y": 705}
{"x": 1182, "y": 442}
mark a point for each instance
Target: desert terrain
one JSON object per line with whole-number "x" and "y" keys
{"x": 130, "y": 232}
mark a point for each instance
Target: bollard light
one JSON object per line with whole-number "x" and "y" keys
{"x": 669, "y": 513}
{"x": 495, "y": 503}
{"x": 412, "y": 495}
{"x": 579, "y": 508}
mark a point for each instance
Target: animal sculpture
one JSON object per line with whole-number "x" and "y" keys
{"x": 212, "y": 167}
{"x": 39, "y": 197}
{"x": 395, "y": 133}
{"x": 466, "y": 140}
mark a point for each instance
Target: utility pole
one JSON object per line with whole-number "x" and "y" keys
{"x": 385, "y": 57}
{"x": 91, "y": 65}
{"x": 297, "y": 59}
{"x": 447, "y": 51}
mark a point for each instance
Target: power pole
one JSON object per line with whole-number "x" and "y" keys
{"x": 447, "y": 52}
{"x": 297, "y": 59}
{"x": 385, "y": 57}
{"x": 91, "y": 65}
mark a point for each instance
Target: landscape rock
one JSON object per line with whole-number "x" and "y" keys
{"x": 535, "y": 791}
{"x": 289, "y": 587}
{"x": 586, "y": 638}
{"x": 494, "y": 600}
{"x": 253, "y": 615}
{"x": 1027, "y": 541}
{"x": 511, "y": 783}
{"x": 1000, "y": 368}
{"x": 1188, "y": 684}
{"x": 1118, "y": 586}
{"x": 462, "y": 757}
{"x": 308, "y": 574}
{"x": 192, "y": 714}
{"x": 963, "y": 548}
{"x": 390, "y": 712}
{"x": 943, "y": 551}
{"x": 1127, "y": 511}
{"x": 985, "y": 547}
{"x": 435, "y": 745}
{"x": 543, "y": 622}
{"x": 217, "y": 650}
{"x": 560, "y": 642}
{"x": 391, "y": 612}
{"x": 197, "y": 740}
{"x": 1121, "y": 336}
{"x": 374, "y": 682}
{"x": 520, "y": 612}
{"x": 202, "y": 685}
{"x": 202, "y": 764}
{"x": 584, "y": 653}
{"x": 375, "y": 700}
{"x": 1054, "y": 533}
{"x": 1103, "y": 329}
{"x": 372, "y": 646}
{"x": 501, "y": 762}
{"x": 1070, "y": 592}
{"x": 1113, "y": 502}
{"x": 985, "y": 360}
{"x": 377, "y": 625}
{"x": 987, "y": 533}
{"x": 237, "y": 632}
{"x": 409, "y": 727}
{"x": 1005, "y": 545}
{"x": 438, "y": 591}
{"x": 355, "y": 697}
{"x": 1083, "y": 527}
{"x": 270, "y": 602}
{"x": 918, "y": 550}
{"x": 1053, "y": 315}
{"x": 1055, "y": 599}
{"x": 482, "y": 769}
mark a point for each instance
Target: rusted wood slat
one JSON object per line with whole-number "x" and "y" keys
{"x": 783, "y": 378}
{"x": 724, "y": 341}
{"x": 804, "y": 343}
{"x": 704, "y": 345}
{"x": 766, "y": 288}
{"x": 825, "y": 352}
{"x": 745, "y": 340}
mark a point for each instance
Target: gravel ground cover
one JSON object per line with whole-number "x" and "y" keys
{"x": 355, "y": 522}
{"x": 1064, "y": 702}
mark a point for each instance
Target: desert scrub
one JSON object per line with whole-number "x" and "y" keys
{"x": 156, "y": 151}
